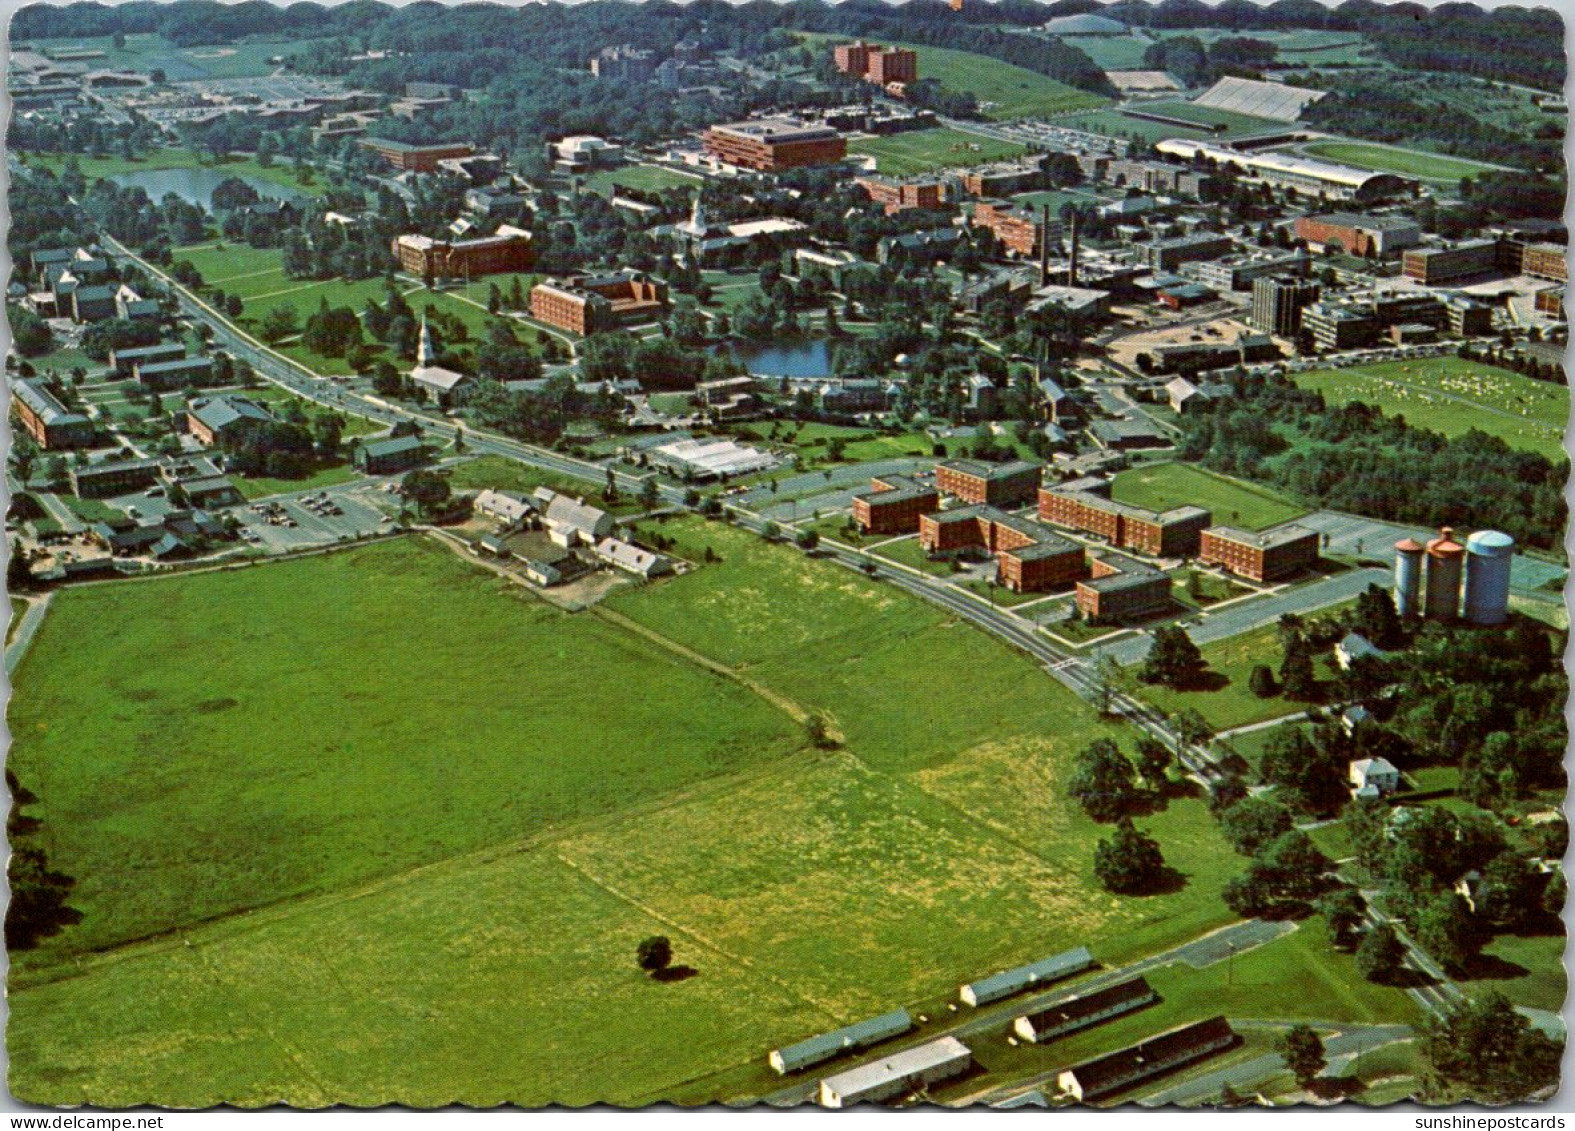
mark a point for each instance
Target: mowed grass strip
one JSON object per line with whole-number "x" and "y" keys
{"x": 250, "y": 736}
{"x": 1161, "y": 486}
{"x": 923, "y": 151}
{"x": 1452, "y": 395}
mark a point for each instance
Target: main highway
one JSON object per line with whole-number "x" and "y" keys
{"x": 1075, "y": 673}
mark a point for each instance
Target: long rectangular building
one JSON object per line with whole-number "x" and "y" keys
{"x": 1172, "y": 533}
{"x": 909, "y": 1070}
{"x": 43, "y": 417}
{"x": 509, "y": 250}
{"x": 1106, "y": 1075}
{"x": 1043, "y": 972}
{"x": 585, "y": 304}
{"x": 1358, "y": 234}
{"x": 999, "y": 484}
{"x": 894, "y": 504}
{"x": 850, "y": 1038}
{"x": 415, "y": 158}
{"x": 1084, "y": 1011}
{"x": 1260, "y": 555}
{"x": 1120, "y": 588}
{"x": 768, "y": 145}
{"x": 1029, "y": 558}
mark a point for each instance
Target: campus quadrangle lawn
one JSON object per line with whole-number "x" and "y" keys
{"x": 1453, "y": 396}
{"x": 427, "y": 820}
{"x": 924, "y": 151}
{"x": 1162, "y": 486}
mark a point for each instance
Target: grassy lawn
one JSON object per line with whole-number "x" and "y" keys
{"x": 18, "y": 607}
{"x": 147, "y": 52}
{"x": 1540, "y": 981}
{"x": 812, "y": 443}
{"x": 328, "y": 474}
{"x": 91, "y": 510}
{"x": 278, "y": 397}
{"x": 1225, "y": 123}
{"x": 1233, "y": 704}
{"x": 924, "y": 151}
{"x": 370, "y": 777}
{"x": 642, "y": 178}
{"x": 280, "y": 172}
{"x": 1001, "y": 595}
{"x": 1452, "y": 396}
{"x": 1388, "y": 159}
{"x": 1161, "y": 486}
{"x": 1113, "y": 123}
{"x": 503, "y": 474}
{"x": 1055, "y": 198}
{"x": 908, "y": 552}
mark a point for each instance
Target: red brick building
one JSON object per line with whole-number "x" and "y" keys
{"x": 1121, "y": 588}
{"x": 999, "y": 484}
{"x": 1260, "y": 555}
{"x": 414, "y": 158}
{"x": 894, "y": 505}
{"x": 1545, "y": 261}
{"x": 509, "y": 250}
{"x": 41, "y": 415}
{"x": 771, "y": 144}
{"x": 1357, "y": 234}
{"x": 1029, "y": 558}
{"x": 874, "y": 63}
{"x": 586, "y": 304}
{"x": 1019, "y": 229}
{"x": 901, "y": 196}
{"x": 1172, "y": 533}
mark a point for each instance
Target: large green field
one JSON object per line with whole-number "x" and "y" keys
{"x": 1389, "y": 159}
{"x": 148, "y": 52}
{"x": 1223, "y": 123}
{"x": 1452, "y": 396}
{"x": 646, "y": 178}
{"x": 1161, "y": 486}
{"x": 1004, "y": 91}
{"x": 484, "y": 804}
{"x": 924, "y": 151}
{"x": 93, "y": 168}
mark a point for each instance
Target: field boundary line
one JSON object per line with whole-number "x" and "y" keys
{"x": 689, "y": 932}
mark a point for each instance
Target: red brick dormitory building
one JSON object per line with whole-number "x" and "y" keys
{"x": 1172, "y": 533}
{"x": 894, "y": 505}
{"x": 1012, "y": 483}
{"x": 874, "y": 63}
{"x": 509, "y": 250}
{"x": 1121, "y": 588}
{"x": 1260, "y": 555}
{"x": 1029, "y": 558}
{"x": 586, "y": 304}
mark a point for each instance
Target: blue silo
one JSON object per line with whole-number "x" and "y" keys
{"x": 1408, "y": 577}
{"x": 1488, "y": 557}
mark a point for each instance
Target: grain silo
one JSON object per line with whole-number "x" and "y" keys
{"x": 1445, "y": 560}
{"x": 1408, "y": 577}
{"x": 1488, "y": 557}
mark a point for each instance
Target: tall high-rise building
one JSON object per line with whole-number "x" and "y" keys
{"x": 1277, "y": 302}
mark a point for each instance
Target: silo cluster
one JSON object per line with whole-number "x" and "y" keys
{"x": 1429, "y": 579}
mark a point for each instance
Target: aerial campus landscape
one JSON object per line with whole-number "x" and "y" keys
{"x": 948, "y": 553}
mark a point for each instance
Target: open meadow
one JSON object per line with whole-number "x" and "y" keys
{"x": 1453, "y": 396}
{"x": 485, "y": 804}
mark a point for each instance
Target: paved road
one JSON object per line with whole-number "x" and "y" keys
{"x": 854, "y": 477}
{"x": 25, "y": 631}
{"x": 1355, "y": 536}
{"x": 1253, "y": 614}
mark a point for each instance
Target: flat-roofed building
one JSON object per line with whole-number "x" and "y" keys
{"x": 1278, "y": 302}
{"x": 509, "y": 250}
{"x": 1020, "y": 228}
{"x": 1084, "y": 1011}
{"x": 415, "y": 158}
{"x": 1260, "y": 555}
{"x": 1003, "y": 178}
{"x": 1172, "y": 533}
{"x": 1435, "y": 265}
{"x": 41, "y": 415}
{"x": 893, "y": 505}
{"x": 1545, "y": 261}
{"x": 585, "y": 304}
{"x": 1029, "y": 558}
{"x": 125, "y": 361}
{"x": 1167, "y": 255}
{"x": 1115, "y": 1072}
{"x": 1006, "y": 484}
{"x": 768, "y": 145}
{"x": 1121, "y": 588}
{"x": 117, "y": 477}
{"x": 909, "y": 1070}
{"x": 178, "y": 373}
{"x": 1358, "y": 234}
{"x": 902, "y": 196}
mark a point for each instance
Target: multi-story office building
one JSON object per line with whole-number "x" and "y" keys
{"x": 1278, "y": 302}
{"x": 768, "y": 145}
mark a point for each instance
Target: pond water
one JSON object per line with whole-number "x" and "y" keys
{"x": 786, "y": 357}
{"x": 195, "y": 186}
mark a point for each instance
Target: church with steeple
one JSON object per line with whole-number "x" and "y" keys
{"x": 443, "y": 387}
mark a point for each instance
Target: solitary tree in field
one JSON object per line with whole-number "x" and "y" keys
{"x": 655, "y": 954}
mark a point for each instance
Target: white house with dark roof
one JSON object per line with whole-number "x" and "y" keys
{"x": 1374, "y": 777}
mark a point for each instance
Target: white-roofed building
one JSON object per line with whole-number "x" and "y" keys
{"x": 907, "y": 1071}
{"x": 632, "y": 559}
{"x": 711, "y": 459}
{"x": 507, "y": 508}
{"x": 572, "y": 519}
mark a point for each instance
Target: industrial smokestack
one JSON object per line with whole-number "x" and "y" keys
{"x": 1044, "y": 245}
{"x": 1071, "y": 272}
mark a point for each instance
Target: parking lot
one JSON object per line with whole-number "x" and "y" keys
{"x": 315, "y": 518}
{"x": 1353, "y": 536}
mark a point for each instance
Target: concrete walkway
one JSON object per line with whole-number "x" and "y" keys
{"x": 26, "y": 630}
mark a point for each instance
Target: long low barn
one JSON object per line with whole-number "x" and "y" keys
{"x": 1084, "y": 1011}
{"x": 861, "y": 1035}
{"x": 1117, "y": 1071}
{"x": 1009, "y": 982}
{"x": 902, "y": 1072}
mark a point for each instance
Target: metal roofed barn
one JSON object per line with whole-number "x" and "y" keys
{"x": 905, "y": 1071}
{"x": 1009, "y": 982}
{"x": 825, "y": 1046}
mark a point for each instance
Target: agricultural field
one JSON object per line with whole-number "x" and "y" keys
{"x": 467, "y": 890}
{"x": 924, "y": 151}
{"x": 1453, "y": 396}
{"x": 641, "y": 178}
{"x": 1162, "y": 486}
{"x": 1390, "y": 159}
